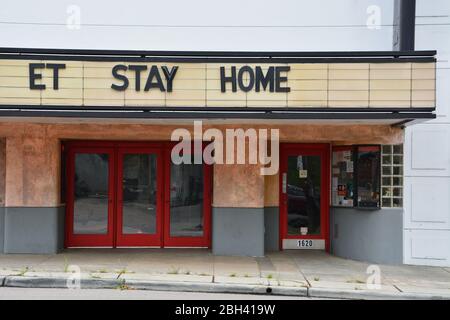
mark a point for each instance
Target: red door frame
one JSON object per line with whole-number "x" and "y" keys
{"x": 93, "y": 240}
{"x": 114, "y": 237}
{"x": 203, "y": 241}
{"x": 322, "y": 150}
{"x": 139, "y": 240}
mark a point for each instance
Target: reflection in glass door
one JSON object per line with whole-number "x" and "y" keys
{"x": 186, "y": 200}
{"x": 90, "y": 193}
{"x": 303, "y": 195}
{"x": 187, "y": 209}
{"x": 139, "y": 187}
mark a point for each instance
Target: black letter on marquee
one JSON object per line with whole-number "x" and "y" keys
{"x": 224, "y": 79}
{"x": 263, "y": 81}
{"x": 35, "y": 76}
{"x": 279, "y": 79}
{"x": 251, "y": 79}
{"x": 124, "y": 86}
{"x": 56, "y": 67}
{"x": 137, "y": 71}
{"x": 154, "y": 72}
{"x": 170, "y": 75}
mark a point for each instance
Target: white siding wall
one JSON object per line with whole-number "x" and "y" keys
{"x": 240, "y": 25}
{"x": 427, "y": 152}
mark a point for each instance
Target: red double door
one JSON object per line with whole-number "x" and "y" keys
{"x": 124, "y": 194}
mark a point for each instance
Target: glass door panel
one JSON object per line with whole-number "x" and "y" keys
{"x": 139, "y": 194}
{"x": 90, "y": 212}
{"x": 303, "y": 195}
{"x": 187, "y": 204}
{"x": 186, "y": 200}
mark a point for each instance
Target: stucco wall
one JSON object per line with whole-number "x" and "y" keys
{"x": 32, "y": 167}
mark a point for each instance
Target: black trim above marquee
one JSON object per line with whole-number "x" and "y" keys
{"x": 353, "y": 114}
{"x": 218, "y": 56}
{"x": 218, "y": 109}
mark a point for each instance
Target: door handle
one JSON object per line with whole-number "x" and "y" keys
{"x": 284, "y": 183}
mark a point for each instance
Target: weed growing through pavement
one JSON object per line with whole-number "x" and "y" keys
{"x": 174, "y": 270}
{"x": 23, "y": 271}
{"x": 123, "y": 286}
{"x": 102, "y": 271}
{"x": 66, "y": 264}
{"x": 355, "y": 281}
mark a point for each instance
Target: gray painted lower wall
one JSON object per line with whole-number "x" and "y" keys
{"x": 272, "y": 229}
{"x": 238, "y": 231}
{"x": 2, "y": 228}
{"x": 373, "y": 236}
{"x": 34, "y": 230}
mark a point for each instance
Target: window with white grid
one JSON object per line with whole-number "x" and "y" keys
{"x": 392, "y": 176}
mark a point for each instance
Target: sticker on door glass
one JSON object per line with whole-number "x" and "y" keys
{"x": 303, "y": 174}
{"x": 347, "y": 155}
{"x": 303, "y": 231}
{"x": 349, "y": 166}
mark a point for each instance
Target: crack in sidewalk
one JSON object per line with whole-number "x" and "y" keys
{"x": 301, "y": 272}
{"x": 395, "y": 286}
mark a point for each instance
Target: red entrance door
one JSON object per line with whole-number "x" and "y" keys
{"x": 131, "y": 195}
{"x": 90, "y": 196}
{"x": 304, "y": 196}
{"x": 139, "y": 196}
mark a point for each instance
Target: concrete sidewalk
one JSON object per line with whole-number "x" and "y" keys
{"x": 301, "y": 273}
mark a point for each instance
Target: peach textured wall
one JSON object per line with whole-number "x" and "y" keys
{"x": 238, "y": 186}
{"x": 32, "y": 168}
{"x": 271, "y": 190}
{"x": 32, "y": 164}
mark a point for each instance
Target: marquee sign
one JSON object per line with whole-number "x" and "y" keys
{"x": 203, "y": 84}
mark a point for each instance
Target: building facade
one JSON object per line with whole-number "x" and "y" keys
{"x": 86, "y": 150}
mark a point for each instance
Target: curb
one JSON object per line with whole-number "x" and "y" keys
{"x": 61, "y": 283}
{"x": 371, "y": 295}
{"x": 47, "y": 282}
{"x": 43, "y": 282}
{"x": 195, "y": 287}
